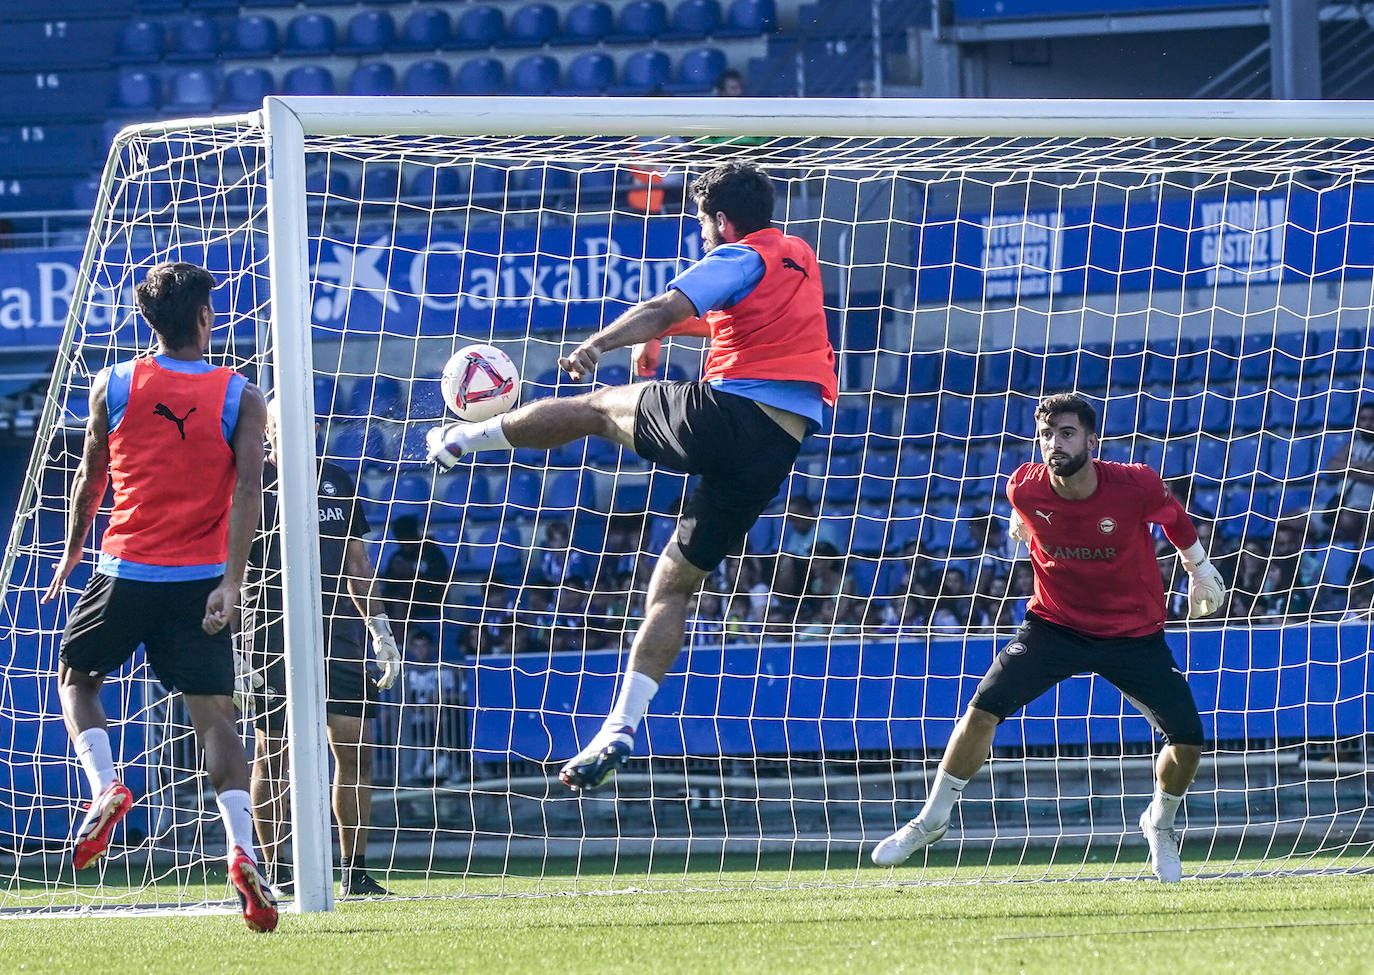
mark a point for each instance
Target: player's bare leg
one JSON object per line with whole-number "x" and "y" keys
{"x": 271, "y": 805}
{"x": 352, "y": 799}
{"x": 1174, "y": 772}
{"x": 965, "y": 754}
{"x": 656, "y": 645}
{"x": 110, "y": 800}
{"x": 213, "y": 718}
{"x": 546, "y": 423}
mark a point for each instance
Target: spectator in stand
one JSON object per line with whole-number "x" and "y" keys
{"x": 565, "y": 622}
{"x": 954, "y": 609}
{"x": 1361, "y": 596}
{"x": 430, "y": 718}
{"x": 705, "y": 627}
{"x": 555, "y": 562}
{"x": 1354, "y": 464}
{"x": 416, "y": 575}
{"x": 993, "y": 606}
{"x": 995, "y": 551}
{"x": 729, "y": 84}
{"x": 801, "y": 534}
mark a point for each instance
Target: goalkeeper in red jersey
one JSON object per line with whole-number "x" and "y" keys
{"x": 1098, "y": 607}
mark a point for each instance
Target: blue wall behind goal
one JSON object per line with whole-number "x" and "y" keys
{"x": 807, "y": 697}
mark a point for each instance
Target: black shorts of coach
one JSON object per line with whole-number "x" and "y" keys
{"x": 1142, "y": 668}
{"x": 740, "y": 453}
{"x": 350, "y": 690}
{"x": 113, "y": 616}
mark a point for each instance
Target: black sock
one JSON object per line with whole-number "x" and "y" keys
{"x": 354, "y": 864}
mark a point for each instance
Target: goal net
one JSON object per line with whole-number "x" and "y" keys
{"x": 1202, "y": 273}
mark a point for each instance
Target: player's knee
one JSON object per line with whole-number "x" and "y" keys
{"x": 978, "y": 718}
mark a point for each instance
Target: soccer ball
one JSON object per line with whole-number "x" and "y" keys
{"x": 480, "y": 382}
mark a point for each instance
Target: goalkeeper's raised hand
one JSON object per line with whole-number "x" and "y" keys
{"x": 384, "y": 650}
{"x": 1206, "y": 590}
{"x": 1017, "y": 530}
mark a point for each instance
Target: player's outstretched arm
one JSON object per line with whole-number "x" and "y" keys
{"x": 1206, "y": 590}
{"x": 646, "y": 320}
{"x": 362, "y": 588}
{"x": 88, "y": 487}
{"x": 245, "y": 508}
{"x": 645, "y": 355}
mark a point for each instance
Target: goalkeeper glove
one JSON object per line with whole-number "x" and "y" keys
{"x": 443, "y": 448}
{"x": 1017, "y": 530}
{"x": 384, "y": 650}
{"x": 1206, "y": 590}
{"x": 246, "y": 680}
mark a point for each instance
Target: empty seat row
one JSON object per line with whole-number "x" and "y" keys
{"x": 480, "y": 26}
{"x": 201, "y": 88}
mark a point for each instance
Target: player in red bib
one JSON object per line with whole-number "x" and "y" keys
{"x": 180, "y": 441}
{"x": 770, "y": 371}
{"x": 1098, "y": 607}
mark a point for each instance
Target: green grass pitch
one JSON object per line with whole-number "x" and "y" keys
{"x": 1313, "y": 925}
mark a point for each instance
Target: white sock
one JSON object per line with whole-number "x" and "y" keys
{"x": 636, "y": 691}
{"x": 237, "y": 812}
{"x": 486, "y": 435}
{"x": 940, "y": 803}
{"x": 93, "y": 752}
{"x": 1164, "y": 808}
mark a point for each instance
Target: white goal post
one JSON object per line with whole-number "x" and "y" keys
{"x": 998, "y": 141}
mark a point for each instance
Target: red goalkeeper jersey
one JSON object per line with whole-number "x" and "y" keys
{"x": 1094, "y": 559}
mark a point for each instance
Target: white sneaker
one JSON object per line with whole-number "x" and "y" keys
{"x": 900, "y": 845}
{"x": 1164, "y": 858}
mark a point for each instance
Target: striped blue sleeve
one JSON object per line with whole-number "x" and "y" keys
{"x": 722, "y": 278}
{"x": 117, "y": 387}
{"x": 233, "y": 393}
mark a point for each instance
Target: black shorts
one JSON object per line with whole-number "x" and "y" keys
{"x": 742, "y": 456}
{"x": 113, "y": 616}
{"x": 350, "y": 690}
{"x": 1142, "y": 668}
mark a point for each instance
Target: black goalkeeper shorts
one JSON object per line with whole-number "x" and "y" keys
{"x": 1142, "y": 668}
{"x": 350, "y": 690}
{"x": 741, "y": 454}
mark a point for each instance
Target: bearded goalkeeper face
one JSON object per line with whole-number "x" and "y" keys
{"x": 1064, "y": 444}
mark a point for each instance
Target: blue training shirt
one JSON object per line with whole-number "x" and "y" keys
{"x": 725, "y": 277}
{"x": 116, "y": 399}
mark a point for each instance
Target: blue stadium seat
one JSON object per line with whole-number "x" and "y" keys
{"x": 1218, "y": 413}
{"x": 1153, "y": 418}
{"x": 989, "y": 415}
{"x": 748, "y": 18}
{"x": 308, "y": 79}
{"x": 1158, "y": 369}
{"x": 1060, "y": 370}
{"x": 368, "y": 32}
{"x": 1125, "y": 369}
{"x": 994, "y": 371}
{"x": 252, "y": 37}
{"x": 478, "y": 27}
{"x": 136, "y": 92}
{"x": 1187, "y": 416}
{"x": 959, "y": 373}
{"x": 380, "y": 182}
{"x": 412, "y": 497}
{"x": 487, "y": 179}
{"x": 323, "y": 395}
{"x": 1248, "y": 413}
{"x": 245, "y": 88}
{"x": 193, "y": 90}
{"x": 309, "y": 34}
{"x": 334, "y": 182}
{"x": 590, "y": 74}
{"x": 427, "y": 29}
{"x": 140, "y": 41}
{"x": 586, "y": 23}
{"x": 428, "y": 77}
{"x": 1288, "y": 353}
{"x": 1243, "y": 457}
{"x": 377, "y": 78}
{"x": 194, "y": 39}
{"x": 640, "y": 21}
{"x": 698, "y": 70}
{"x": 920, "y": 416}
{"x": 693, "y": 20}
{"x": 644, "y": 73}
{"x": 955, "y": 417}
{"x": 480, "y": 76}
{"x": 534, "y": 75}
{"x": 566, "y": 491}
{"x": 1091, "y": 372}
{"x": 437, "y": 181}
{"x": 531, "y": 26}
{"x": 1210, "y": 458}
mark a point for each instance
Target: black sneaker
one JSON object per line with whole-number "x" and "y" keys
{"x": 359, "y": 883}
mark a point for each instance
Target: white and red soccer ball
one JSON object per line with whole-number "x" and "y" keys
{"x": 479, "y": 382}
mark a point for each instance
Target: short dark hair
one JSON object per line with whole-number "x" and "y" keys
{"x": 1052, "y": 406}
{"x": 741, "y": 191}
{"x": 729, "y": 74}
{"x": 171, "y": 297}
